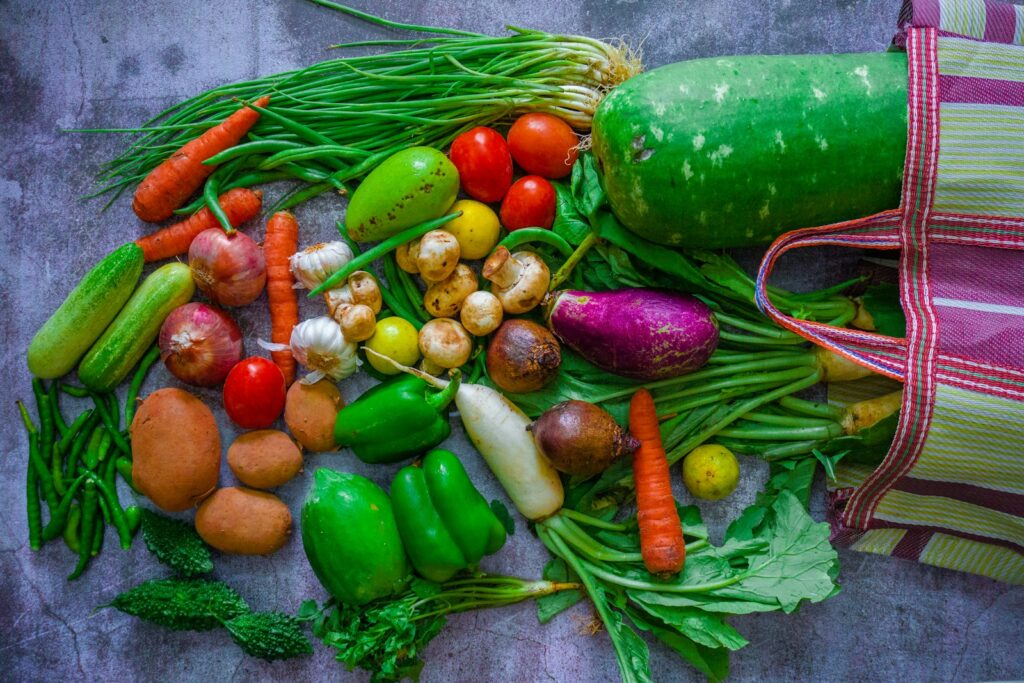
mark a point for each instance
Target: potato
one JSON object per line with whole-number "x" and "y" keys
{"x": 244, "y": 522}
{"x": 309, "y": 412}
{"x": 175, "y": 449}
{"x": 264, "y": 458}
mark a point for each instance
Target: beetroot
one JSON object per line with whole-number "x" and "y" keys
{"x": 645, "y": 334}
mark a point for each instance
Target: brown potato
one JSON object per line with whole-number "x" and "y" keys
{"x": 175, "y": 449}
{"x": 244, "y": 522}
{"x": 309, "y": 412}
{"x": 264, "y": 458}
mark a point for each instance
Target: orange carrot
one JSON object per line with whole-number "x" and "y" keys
{"x": 661, "y": 533}
{"x": 281, "y": 242}
{"x": 240, "y": 204}
{"x": 171, "y": 183}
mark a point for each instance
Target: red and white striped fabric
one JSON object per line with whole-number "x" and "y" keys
{"x": 950, "y": 491}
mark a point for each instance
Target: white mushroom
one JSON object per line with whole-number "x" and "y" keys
{"x": 443, "y": 299}
{"x": 358, "y": 322}
{"x": 437, "y": 256}
{"x": 481, "y": 313}
{"x": 355, "y": 305}
{"x": 445, "y": 342}
{"x": 405, "y": 256}
{"x": 520, "y": 280}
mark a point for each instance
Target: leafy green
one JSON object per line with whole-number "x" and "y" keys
{"x": 176, "y": 544}
{"x": 882, "y": 301}
{"x": 551, "y": 605}
{"x": 504, "y": 516}
{"x": 867, "y": 446}
{"x": 182, "y": 604}
{"x": 568, "y": 224}
{"x": 269, "y": 635}
{"x": 387, "y": 636}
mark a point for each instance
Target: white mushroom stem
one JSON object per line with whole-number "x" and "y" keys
{"x": 501, "y": 269}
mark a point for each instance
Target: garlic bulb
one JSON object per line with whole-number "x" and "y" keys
{"x": 313, "y": 265}
{"x": 319, "y": 345}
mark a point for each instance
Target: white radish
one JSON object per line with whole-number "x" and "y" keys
{"x": 498, "y": 430}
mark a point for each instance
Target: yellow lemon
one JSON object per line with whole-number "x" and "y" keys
{"x": 476, "y": 229}
{"x": 711, "y": 472}
{"x": 395, "y": 338}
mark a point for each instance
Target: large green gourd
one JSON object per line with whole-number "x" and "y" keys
{"x": 351, "y": 539}
{"x": 734, "y": 151}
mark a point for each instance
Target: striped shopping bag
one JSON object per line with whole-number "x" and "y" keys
{"x": 950, "y": 491}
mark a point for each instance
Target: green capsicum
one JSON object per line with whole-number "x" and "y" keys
{"x": 444, "y": 522}
{"x": 395, "y": 420}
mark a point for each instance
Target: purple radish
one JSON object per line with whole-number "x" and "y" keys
{"x": 645, "y": 334}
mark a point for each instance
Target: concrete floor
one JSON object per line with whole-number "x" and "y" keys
{"x": 80, "y": 63}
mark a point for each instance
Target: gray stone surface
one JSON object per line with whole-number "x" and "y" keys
{"x": 83, "y": 63}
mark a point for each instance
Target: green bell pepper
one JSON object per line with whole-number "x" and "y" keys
{"x": 396, "y": 420}
{"x": 444, "y": 522}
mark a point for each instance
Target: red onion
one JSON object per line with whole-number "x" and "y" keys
{"x": 200, "y": 344}
{"x": 230, "y": 269}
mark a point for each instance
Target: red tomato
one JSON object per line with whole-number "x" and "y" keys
{"x": 484, "y": 164}
{"x": 543, "y": 145}
{"x": 254, "y": 393}
{"x": 529, "y": 203}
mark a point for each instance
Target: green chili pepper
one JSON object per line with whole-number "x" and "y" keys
{"x": 52, "y": 487}
{"x": 73, "y": 390}
{"x": 145, "y": 364}
{"x": 58, "y": 419}
{"x": 71, "y": 528}
{"x": 445, "y": 524}
{"x": 133, "y": 514}
{"x": 68, "y": 439}
{"x": 36, "y": 461}
{"x": 59, "y": 516}
{"x": 115, "y": 433}
{"x": 395, "y": 420}
{"x": 80, "y": 445}
{"x": 34, "y": 511}
{"x": 117, "y": 516}
{"x": 124, "y": 467}
{"x": 99, "y": 528}
{"x": 89, "y": 506}
{"x": 92, "y": 452}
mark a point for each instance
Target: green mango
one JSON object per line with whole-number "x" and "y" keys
{"x": 351, "y": 538}
{"x": 409, "y": 187}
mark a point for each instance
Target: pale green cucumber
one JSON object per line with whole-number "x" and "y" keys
{"x": 135, "y": 328}
{"x": 88, "y": 309}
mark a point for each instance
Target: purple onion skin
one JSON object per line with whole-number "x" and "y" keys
{"x": 645, "y": 334}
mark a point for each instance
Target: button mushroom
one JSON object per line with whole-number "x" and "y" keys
{"x": 355, "y": 305}
{"x": 481, "y": 313}
{"x": 443, "y": 299}
{"x": 405, "y": 256}
{"x": 437, "y": 256}
{"x": 520, "y": 280}
{"x": 445, "y": 342}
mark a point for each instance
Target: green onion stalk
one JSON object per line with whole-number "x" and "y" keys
{"x": 334, "y": 121}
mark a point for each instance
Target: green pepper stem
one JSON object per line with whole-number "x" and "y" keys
{"x": 439, "y": 400}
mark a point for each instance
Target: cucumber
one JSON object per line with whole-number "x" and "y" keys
{"x": 88, "y": 309}
{"x": 730, "y": 152}
{"x": 135, "y": 328}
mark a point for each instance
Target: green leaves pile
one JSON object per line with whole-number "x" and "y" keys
{"x": 186, "y": 603}
{"x": 773, "y": 559}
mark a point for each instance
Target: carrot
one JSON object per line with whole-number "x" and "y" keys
{"x": 661, "y": 533}
{"x": 171, "y": 183}
{"x": 240, "y": 204}
{"x": 281, "y": 242}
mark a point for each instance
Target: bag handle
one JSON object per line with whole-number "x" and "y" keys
{"x": 882, "y": 354}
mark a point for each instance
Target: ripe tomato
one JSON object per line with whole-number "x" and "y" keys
{"x": 529, "y": 203}
{"x": 543, "y": 145}
{"x": 254, "y": 393}
{"x": 484, "y": 164}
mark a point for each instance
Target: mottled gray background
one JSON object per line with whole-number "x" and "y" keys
{"x": 82, "y": 63}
